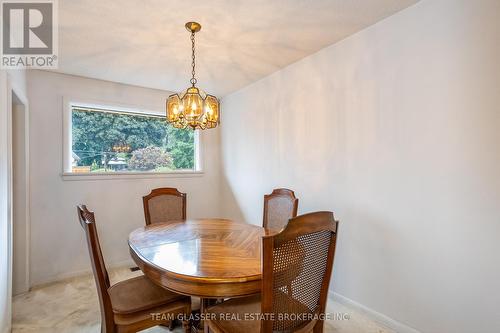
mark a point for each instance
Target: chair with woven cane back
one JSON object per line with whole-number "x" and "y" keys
{"x": 309, "y": 238}
{"x": 279, "y": 206}
{"x": 163, "y": 205}
{"x": 127, "y": 306}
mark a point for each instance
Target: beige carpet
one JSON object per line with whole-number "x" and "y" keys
{"x": 72, "y": 307}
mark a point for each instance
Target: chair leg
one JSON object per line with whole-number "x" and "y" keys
{"x": 318, "y": 328}
{"x": 169, "y": 325}
{"x": 203, "y": 310}
{"x": 122, "y": 329}
{"x": 185, "y": 321}
{"x": 108, "y": 328}
{"x": 187, "y": 326}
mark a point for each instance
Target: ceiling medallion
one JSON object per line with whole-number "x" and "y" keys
{"x": 193, "y": 107}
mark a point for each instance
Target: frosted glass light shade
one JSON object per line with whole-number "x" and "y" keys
{"x": 193, "y": 108}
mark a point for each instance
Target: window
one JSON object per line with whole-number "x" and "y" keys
{"x": 103, "y": 140}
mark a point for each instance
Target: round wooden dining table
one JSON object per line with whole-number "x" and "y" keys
{"x": 208, "y": 258}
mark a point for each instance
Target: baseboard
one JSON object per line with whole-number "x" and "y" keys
{"x": 374, "y": 315}
{"x": 75, "y": 274}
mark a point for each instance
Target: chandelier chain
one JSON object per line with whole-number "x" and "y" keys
{"x": 193, "y": 79}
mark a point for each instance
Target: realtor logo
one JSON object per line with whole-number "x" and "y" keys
{"x": 29, "y": 34}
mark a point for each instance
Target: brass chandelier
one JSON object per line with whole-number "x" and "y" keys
{"x": 193, "y": 107}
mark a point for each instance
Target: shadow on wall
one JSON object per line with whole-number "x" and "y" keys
{"x": 230, "y": 207}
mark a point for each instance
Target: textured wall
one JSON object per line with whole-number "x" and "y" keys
{"x": 9, "y": 80}
{"x": 57, "y": 245}
{"x": 395, "y": 129}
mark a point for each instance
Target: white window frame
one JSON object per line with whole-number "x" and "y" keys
{"x": 67, "y": 174}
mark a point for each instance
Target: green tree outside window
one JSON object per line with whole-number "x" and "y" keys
{"x": 154, "y": 145}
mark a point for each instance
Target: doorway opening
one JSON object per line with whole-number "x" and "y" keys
{"x": 20, "y": 197}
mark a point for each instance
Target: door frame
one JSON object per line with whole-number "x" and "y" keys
{"x": 12, "y": 89}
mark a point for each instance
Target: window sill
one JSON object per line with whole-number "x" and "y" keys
{"x": 130, "y": 175}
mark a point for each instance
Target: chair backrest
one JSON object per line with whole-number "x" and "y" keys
{"x": 297, "y": 266}
{"x": 87, "y": 221}
{"x": 163, "y": 205}
{"x": 279, "y": 206}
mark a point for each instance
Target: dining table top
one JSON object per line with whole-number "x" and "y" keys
{"x": 201, "y": 257}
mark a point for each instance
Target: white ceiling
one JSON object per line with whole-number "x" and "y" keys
{"x": 145, "y": 43}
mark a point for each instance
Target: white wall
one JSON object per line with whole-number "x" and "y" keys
{"x": 4, "y": 243}
{"x": 396, "y": 130}
{"x": 57, "y": 244}
{"x": 9, "y": 80}
{"x": 20, "y": 175}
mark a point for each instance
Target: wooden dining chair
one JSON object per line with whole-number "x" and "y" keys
{"x": 163, "y": 205}
{"x": 308, "y": 240}
{"x": 127, "y": 306}
{"x": 279, "y": 206}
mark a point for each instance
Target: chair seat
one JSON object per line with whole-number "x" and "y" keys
{"x": 249, "y": 305}
{"x": 139, "y": 294}
{"x": 240, "y": 306}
